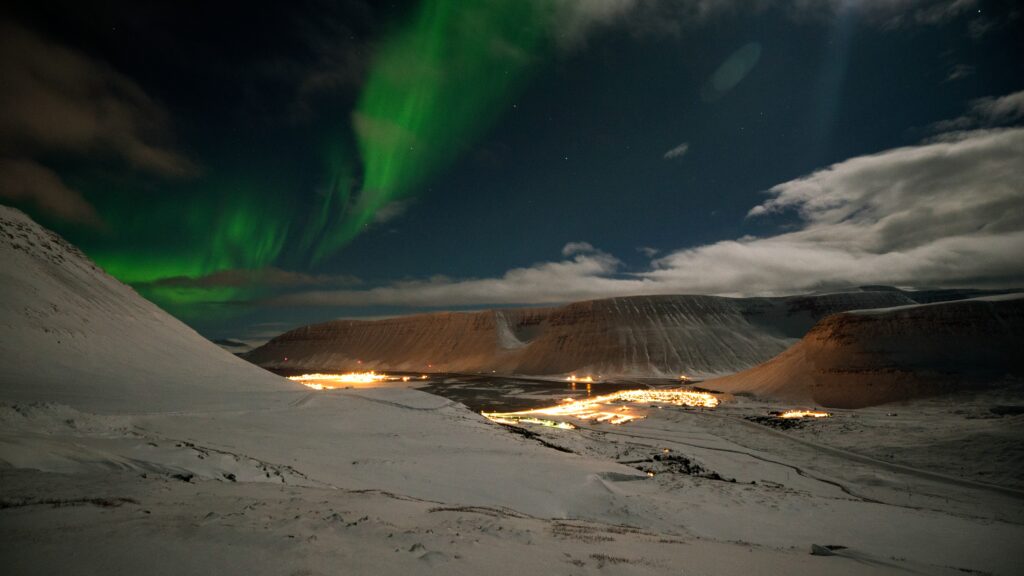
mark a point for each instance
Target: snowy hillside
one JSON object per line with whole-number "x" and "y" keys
{"x": 633, "y": 336}
{"x": 73, "y": 334}
{"x": 130, "y": 445}
{"x": 97, "y": 378}
{"x": 870, "y": 357}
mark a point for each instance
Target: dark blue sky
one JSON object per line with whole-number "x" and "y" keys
{"x": 581, "y": 156}
{"x": 256, "y": 96}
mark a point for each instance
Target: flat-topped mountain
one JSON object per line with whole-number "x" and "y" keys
{"x": 630, "y": 336}
{"x": 868, "y": 357}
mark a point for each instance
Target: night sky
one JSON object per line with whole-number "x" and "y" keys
{"x": 255, "y": 166}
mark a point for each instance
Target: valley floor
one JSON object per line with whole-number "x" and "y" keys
{"x": 395, "y": 481}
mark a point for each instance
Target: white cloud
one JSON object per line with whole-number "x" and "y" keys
{"x": 677, "y": 152}
{"x": 959, "y": 72}
{"x": 581, "y": 277}
{"x": 1004, "y": 109}
{"x": 948, "y": 212}
{"x": 577, "y": 248}
{"x": 987, "y": 111}
{"x": 942, "y": 213}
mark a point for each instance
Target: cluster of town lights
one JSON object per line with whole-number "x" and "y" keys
{"x": 501, "y": 419}
{"x": 332, "y": 381}
{"x": 588, "y": 379}
{"x": 803, "y": 414}
{"x": 595, "y": 409}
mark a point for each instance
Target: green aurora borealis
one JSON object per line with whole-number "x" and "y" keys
{"x": 194, "y": 237}
{"x": 435, "y": 83}
{"x": 254, "y": 169}
{"x": 432, "y": 89}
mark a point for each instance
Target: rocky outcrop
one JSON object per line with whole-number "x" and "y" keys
{"x": 871, "y": 357}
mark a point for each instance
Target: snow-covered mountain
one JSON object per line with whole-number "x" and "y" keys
{"x": 129, "y": 444}
{"x": 95, "y": 378}
{"x": 870, "y": 357}
{"x": 73, "y": 334}
{"x": 632, "y": 336}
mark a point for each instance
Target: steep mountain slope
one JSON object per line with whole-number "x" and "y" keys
{"x": 870, "y": 357}
{"x": 94, "y": 378}
{"x": 642, "y": 335}
{"x": 73, "y": 334}
{"x": 97, "y": 380}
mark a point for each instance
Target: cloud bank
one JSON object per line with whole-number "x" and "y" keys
{"x": 947, "y": 212}
{"x": 57, "y": 100}
{"x": 987, "y": 112}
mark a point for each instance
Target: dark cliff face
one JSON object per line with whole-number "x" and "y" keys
{"x": 870, "y": 357}
{"x": 643, "y": 335}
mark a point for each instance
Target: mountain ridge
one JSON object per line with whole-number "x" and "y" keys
{"x": 665, "y": 335}
{"x": 876, "y": 356}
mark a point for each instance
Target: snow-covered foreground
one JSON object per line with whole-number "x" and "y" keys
{"x": 216, "y": 528}
{"x": 396, "y": 481}
{"x": 128, "y": 444}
